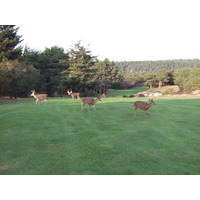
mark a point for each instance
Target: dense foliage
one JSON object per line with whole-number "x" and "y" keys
{"x": 9, "y": 41}
{"x": 17, "y": 78}
{"x": 152, "y": 66}
{"x": 55, "y": 70}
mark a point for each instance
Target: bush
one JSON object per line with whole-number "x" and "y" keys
{"x": 169, "y": 91}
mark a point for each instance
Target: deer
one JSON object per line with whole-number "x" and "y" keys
{"x": 73, "y": 95}
{"x": 39, "y": 96}
{"x": 90, "y": 102}
{"x": 143, "y": 106}
{"x": 103, "y": 95}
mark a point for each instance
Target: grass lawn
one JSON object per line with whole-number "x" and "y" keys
{"x": 128, "y": 92}
{"x": 58, "y": 138}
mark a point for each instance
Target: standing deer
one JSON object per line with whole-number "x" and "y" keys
{"x": 72, "y": 94}
{"x": 90, "y": 102}
{"x": 39, "y": 96}
{"x": 143, "y": 106}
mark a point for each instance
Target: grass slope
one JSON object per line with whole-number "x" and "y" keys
{"x": 58, "y": 138}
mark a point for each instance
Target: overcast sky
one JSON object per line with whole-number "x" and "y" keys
{"x": 115, "y": 29}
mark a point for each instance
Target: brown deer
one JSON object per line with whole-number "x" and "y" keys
{"x": 143, "y": 106}
{"x": 39, "y": 96}
{"x": 103, "y": 95}
{"x": 90, "y": 102}
{"x": 72, "y": 94}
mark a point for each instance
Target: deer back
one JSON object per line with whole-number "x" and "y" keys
{"x": 75, "y": 94}
{"x": 90, "y": 101}
{"x": 143, "y": 105}
{"x": 38, "y": 96}
{"x": 41, "y": 96}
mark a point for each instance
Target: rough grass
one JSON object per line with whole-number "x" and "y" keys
{"x": 58, "y": 138}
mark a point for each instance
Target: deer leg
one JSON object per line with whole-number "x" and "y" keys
{"x": 37, "y": 101}
{"x": 82, "y": 107}
{"x": 145, "y": 112}
{"x": 94, "y": 108}
{"x": 135, "y": 111}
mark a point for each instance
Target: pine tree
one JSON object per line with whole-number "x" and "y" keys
{"x": 107, "y": 75}
{"x": 9, "y": 41}
{"x": 81, "y": 71}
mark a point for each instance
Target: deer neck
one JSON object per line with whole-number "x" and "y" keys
{"x": 96, "y": 100}
{"x": 148, "y": 106}
{"x": 35, "y": 96}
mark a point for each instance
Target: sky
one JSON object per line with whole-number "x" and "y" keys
{"x": 119, "y": 30}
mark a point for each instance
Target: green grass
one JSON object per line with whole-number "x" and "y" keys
{"x": 58, "y": 138}
{"x": 128, "y": 92}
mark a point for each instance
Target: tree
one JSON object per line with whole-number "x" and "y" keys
{"x": 17, "y": 79}
{"x": 181, "y": 76}
{"x": 134, "y": 79}
{"x": 50, "y": 63}
{"x": 162, "y": 77}
{"x": 80, "y": 74}
{"x": 107, "y": 75}
{"x": 150, "y": 79}
{"x": 192, "y": 82}
{"x": 9, "y": 41}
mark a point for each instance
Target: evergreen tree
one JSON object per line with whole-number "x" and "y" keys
{"x": 192, "y": 83}
{"x": 80, "y": 74}
{"x": 50, "y": 63}
{"x": 181, "y": 76}
{"x": 162, "y": 77}
{"x": 9, "y": 40}
{"x": 150, "y": 79}
{"x": 17, "y": 78}
{"x": 107, "y": 75}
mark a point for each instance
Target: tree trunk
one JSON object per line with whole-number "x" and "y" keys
{"x": 160, "y": 84}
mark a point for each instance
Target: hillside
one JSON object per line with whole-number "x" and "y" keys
{"x": 137, "y": 66}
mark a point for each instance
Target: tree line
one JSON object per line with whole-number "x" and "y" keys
{"x": 55, "y": 70}
{"x": 152, "y": 66}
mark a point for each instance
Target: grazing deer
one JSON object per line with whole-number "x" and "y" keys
{"x": 39, "y": 96}
{"x": 90, "y": 102}
{"x": 72, "y": 94}
{"x": 143, "y": 106}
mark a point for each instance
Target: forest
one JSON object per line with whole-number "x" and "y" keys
{"x": 55, "y": 70}
{"x": 151, "y": 66}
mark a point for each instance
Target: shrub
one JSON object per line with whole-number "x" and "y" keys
{"x": 169, "y": 91}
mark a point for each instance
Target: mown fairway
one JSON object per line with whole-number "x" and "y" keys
{"x": 58, "y": 138}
